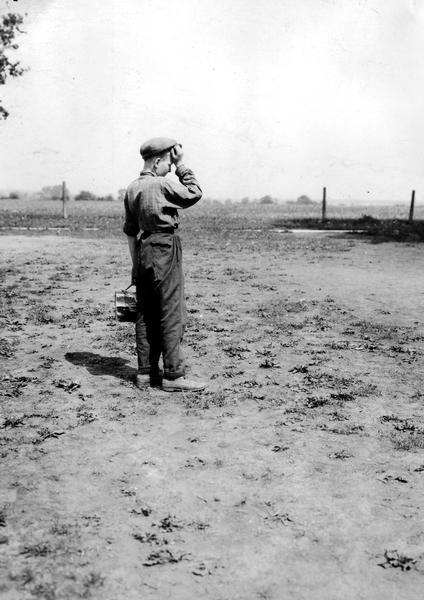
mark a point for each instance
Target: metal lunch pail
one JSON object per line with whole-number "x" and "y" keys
{"x": 125, "y": 305}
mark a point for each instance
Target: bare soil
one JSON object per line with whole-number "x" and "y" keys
{"x": 298, "y": 474}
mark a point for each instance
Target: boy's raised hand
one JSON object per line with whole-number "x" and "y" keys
{"x": 177, "y": 155}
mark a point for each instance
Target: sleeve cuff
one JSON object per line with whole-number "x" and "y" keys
{"x": 180, "y": 170}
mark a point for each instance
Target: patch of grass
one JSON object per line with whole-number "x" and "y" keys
{"x": 342, "y": 397}
{"x": 206, "y": 400}
{"x": 92, "y": 580}
{"x": 337, "y": 416}
{"x": 342, "y": 429}
{"x": 61, "y": 529}
{"x": 12, "y": 386}
{"x": 150, "y": 538}
{"x": 329, "y": 380}
{"x": 366, "y": 389}
{"x": 237, "y": 274}
{"x": 397, "y": 560}
{"x": 194, "y": 462}
{"x": 282, "y": 307}
{"x": 370, "y": 330}
{"x": 340, "y": 454}
{"x": 85, "y": 416}
{"x": 228, "y": 374}
{"x": 219, "y": 399}
{"x": 269, "y": 363}
{"x": 170, "y": 523}
{"x": 346, "y": 388}
{"x": 315, "y": 401}
{"x": 8, "y": 347}
{"x": 391, "y": 419}
{"x": 235, "y": 351}
{"x": 12, "y": 422}
{"x": 45, "y": 591}
{"x": 39, "y": 549}
{"x": 407, "y": 425}
{"x": 162, "y": 557}
{"x": 407, "y": 442}
{"x": 196, "y": 401}
{"x": 406, "y": 435}
{"x": 43, "y": 314}
{"x": 44, "y": 433}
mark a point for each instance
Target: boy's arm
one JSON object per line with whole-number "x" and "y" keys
{"x": 183, "y": 194}
{"x": 188, "y": 191}
{"x": 132, "y": 245}
{"x": 131, "y": 226}
{"x": 131, "y": 229}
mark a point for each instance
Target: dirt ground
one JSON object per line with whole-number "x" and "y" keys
{"x": 298, "y": 474}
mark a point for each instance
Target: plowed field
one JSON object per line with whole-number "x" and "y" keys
{"x": 298, "y": 474}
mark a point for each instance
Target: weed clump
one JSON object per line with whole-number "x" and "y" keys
{"x": 409, "y": 442}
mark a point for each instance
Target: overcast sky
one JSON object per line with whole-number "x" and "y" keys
{"x": 280, "y": 97}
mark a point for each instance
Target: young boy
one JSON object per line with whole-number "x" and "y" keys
{"x": 151, "y": 222}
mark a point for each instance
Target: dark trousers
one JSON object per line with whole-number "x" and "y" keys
{"x": 161, "y": 312}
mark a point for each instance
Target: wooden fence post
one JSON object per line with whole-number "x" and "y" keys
{"x": 324, "y": 204}
{"x": 411, "y": 208}
{"x": 65, "y": 208}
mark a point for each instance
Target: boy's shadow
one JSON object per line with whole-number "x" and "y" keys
{"x": 102, "y": 365}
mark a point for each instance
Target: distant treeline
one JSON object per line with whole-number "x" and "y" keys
{"x": 54, "y": 192}
{"x": 89, "y": 197}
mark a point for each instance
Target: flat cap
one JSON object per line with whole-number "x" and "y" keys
{"x": 156, "y": 146}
